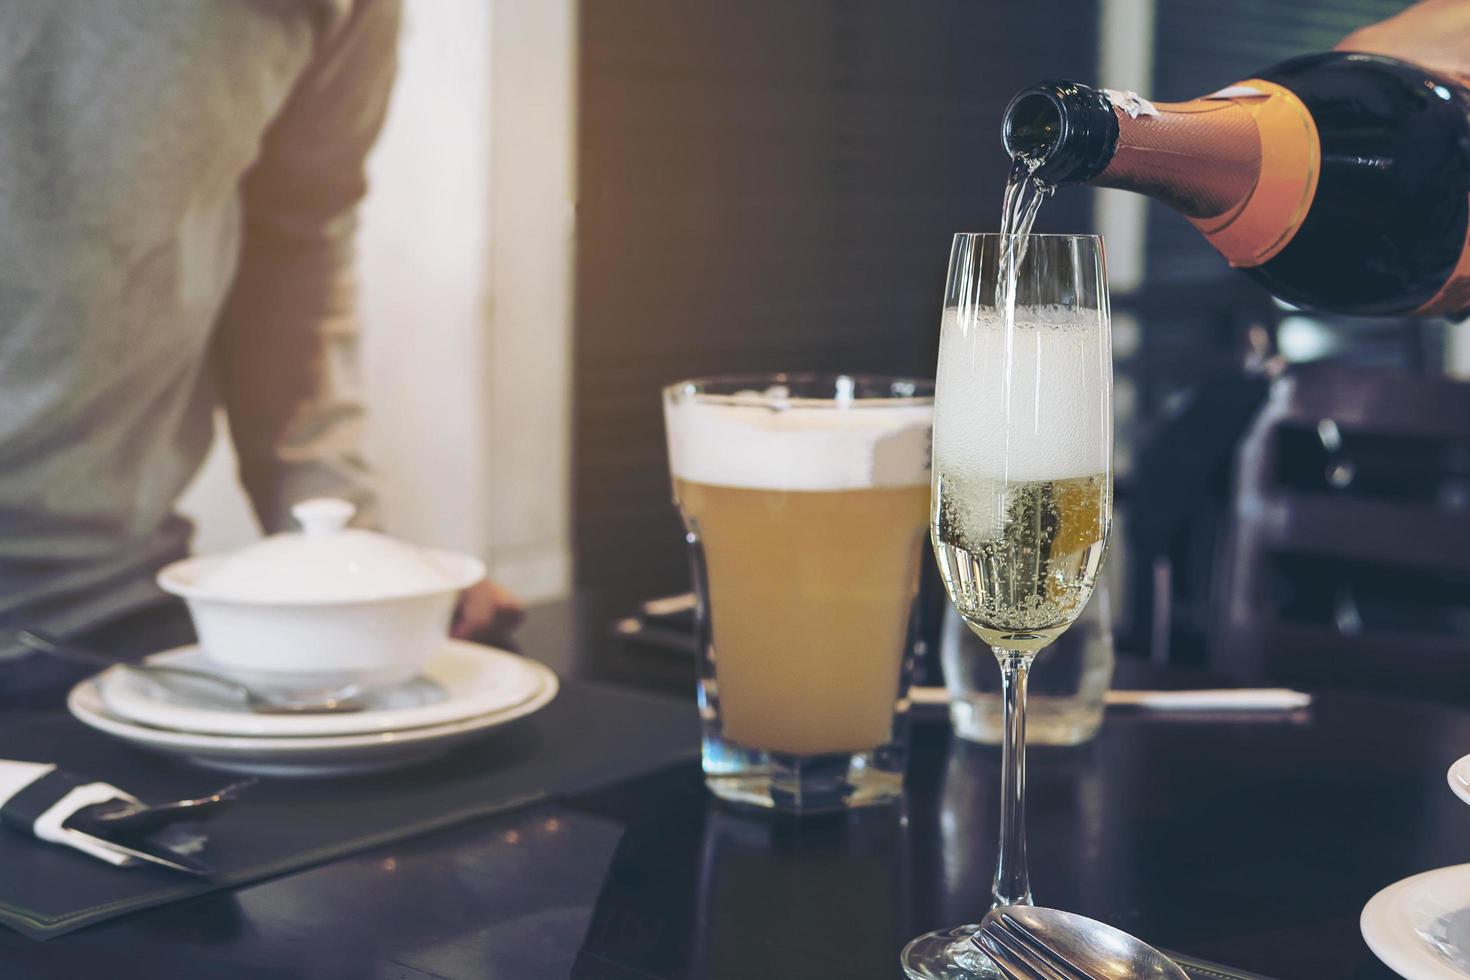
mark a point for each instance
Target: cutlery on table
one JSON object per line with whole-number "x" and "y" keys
{"x": 57, "y": 806}
{"x": 325, "y": 702}
{"x": 132, "y": 817}
{"x": 1031, "y": 943}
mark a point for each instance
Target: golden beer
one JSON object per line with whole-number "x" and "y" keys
{"x": 809, "y": 595}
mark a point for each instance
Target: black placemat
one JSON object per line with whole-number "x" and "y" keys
{"x": 591, "y": 735}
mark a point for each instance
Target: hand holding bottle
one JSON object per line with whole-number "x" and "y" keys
{"x": 1434, "y": 33}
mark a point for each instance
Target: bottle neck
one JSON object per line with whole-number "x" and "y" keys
{"x": 1067, "y": 131}
{"x": 1242, "y": 164}
{"x": 1202, "y": 158}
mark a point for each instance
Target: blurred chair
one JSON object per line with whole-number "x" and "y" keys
{"x": 1188, "y": 387}
{"x": 1178, "y": 502}
{"x": 1348, "y": 559}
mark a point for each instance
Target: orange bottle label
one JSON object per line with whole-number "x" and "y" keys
{"x": 1253, "y": 232}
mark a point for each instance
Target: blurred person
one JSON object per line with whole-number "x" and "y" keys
{"x": 178, "y": 188}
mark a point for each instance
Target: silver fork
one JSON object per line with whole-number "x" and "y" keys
{"x": 1019, "y": 956}
{"x": 1031, "y": 943}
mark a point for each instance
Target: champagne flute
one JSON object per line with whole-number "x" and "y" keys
{"x": 1022, "y": 490}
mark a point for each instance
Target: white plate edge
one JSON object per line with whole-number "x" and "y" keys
{"x": 193, "y": 713}
{"x": 97, "y": 718}
{"x": 1384, "y": 943}
{"x": 1460, "y": 787}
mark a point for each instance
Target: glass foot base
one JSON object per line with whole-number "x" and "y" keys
{"x": 947, "y": 954}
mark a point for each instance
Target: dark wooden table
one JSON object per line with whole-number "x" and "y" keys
{"x": 1250, "y": 842}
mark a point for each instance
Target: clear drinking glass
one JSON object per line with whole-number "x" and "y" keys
{"x": 1066, "y": 691}
{"x": 1022, "y": 491}
{"x": 805, "y": 499}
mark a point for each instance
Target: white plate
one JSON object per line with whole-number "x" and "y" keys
{"x": 1459, "y": 777}
{"x": 463, "y": 680}
{"x": 1420, "y": 927}
{"x": 318, "y": 755}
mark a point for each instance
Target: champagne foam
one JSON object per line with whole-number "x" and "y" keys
{"x": 763, "y": 442}
{"x": 1053, "y": 420}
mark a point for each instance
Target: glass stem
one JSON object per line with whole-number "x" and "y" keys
{"x": 1012, "y": 881}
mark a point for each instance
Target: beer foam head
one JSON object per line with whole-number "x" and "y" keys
{"x": 1030, "y": 403}
{"x": 762, "y": 440}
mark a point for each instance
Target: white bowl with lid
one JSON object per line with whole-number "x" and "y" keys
{"x": 324, "y": 607}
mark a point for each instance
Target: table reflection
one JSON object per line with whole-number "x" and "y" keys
{"x": 710, "y": 891}
{"x": 816, "y": 898}
{"x": 1066, "y": 813}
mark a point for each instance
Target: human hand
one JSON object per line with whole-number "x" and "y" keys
{"x": 486, "y": 607}
{"x": 1434, "y": 34}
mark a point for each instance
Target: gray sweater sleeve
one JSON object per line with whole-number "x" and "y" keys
{"x": 286, "y": 341}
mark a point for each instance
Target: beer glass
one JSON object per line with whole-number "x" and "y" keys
{"x": 805, "y": 500}
{"x": 1023, "y": 491}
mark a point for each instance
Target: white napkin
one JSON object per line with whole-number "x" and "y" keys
{"x": 38, "y": 798}
{"x": 1245, "y": 699}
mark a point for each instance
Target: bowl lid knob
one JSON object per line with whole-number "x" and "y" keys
{"x": 323, "y": 515}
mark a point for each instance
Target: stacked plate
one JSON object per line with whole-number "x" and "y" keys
{"x": 1420, "y": 927}
{"x": 464, "y": 691}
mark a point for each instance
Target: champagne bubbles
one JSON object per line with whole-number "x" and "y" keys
{"x": 1023, "y": 404}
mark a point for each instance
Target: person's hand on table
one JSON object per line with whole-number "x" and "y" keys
{"x": 1434, "y": 34}
{"x": 486, "y": 608}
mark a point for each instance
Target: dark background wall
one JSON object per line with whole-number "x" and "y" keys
{"x": 772, "y": 186}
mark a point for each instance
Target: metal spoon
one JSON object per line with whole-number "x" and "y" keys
{"x": 339, "y": 701}
{"x": 1030, "y": 943}
{"x": 126, "y": 818}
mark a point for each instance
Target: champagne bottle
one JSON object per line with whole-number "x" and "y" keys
{"x": 1340, "y": 181}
